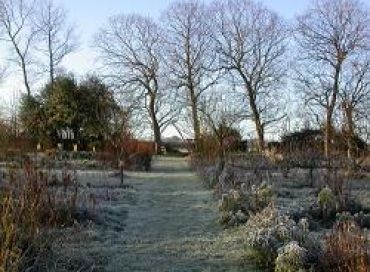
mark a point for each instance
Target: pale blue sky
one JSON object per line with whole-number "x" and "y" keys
{"x": 89, "y": 15}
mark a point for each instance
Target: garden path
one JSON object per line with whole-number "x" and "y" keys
{"x": 166, "y": 221}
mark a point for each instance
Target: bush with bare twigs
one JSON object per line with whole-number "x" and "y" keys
{"x": 29, "y": 205}
{"x": 347, "y": 249}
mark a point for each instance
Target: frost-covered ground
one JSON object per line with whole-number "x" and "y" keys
{"x": 163, "y": 220}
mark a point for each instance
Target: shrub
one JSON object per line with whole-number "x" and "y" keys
{"x": 291, "y": 258}
{"x": 209, "y": 171}
{"x": 237, "y": 206}
{"x": 362, "y": 219}
{"x": 27, "y": 207}
{"x": 233, "y": 201}
{"x": 234, "y": 208}
{"x": 139, "y": 162}
{"x": 268, "y": 231}
{"x": 260, "y": 196}
{"x": 346, "y": 249}
{"x": 327, "y": 202}
{"x": 81, "y": 155}
{"x": 208, "y": 149}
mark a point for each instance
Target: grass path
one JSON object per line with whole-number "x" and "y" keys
{"x": 166, "y": 222}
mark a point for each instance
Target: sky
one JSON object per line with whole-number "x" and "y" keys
{"x": 89, "y": 15}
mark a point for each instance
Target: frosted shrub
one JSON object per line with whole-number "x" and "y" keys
{"x": 210, "y": 176}
{"x": 291, "y": 258}
{"x": 303, "y": 225}
{"x": 327, "y": 202}
{"x": 270, "y": 230}
{"x": 260, "y": 196}
{"x": 233, "y": 207}
{"x": 237, "y": 206}
{"x": 266, "y": 232}
{"x": 226, "y": 179}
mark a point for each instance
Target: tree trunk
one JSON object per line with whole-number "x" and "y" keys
{"x": 191, "y": 89}
{"x": 155, "y": 125}
{"x": 195, "y": 116}
{"x": 25, "y": 78}
{"x": 331, "y": 107}
{"x": 328, "y": 136}
{"x": 51, "y": 61}
{"x": 349, "y": 128}
{"x": 23, "y": 65}
{"x": 256, "y": 119}
{"x": 261, "y": 136}
{"x": 51, "y": 73}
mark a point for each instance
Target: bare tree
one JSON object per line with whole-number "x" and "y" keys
{"x": 190, "y": 58}
{"x": 219, "y": 114}
{"x": 57, "y": 36}
{"x": 329, "y": 34}
{"x": 355, "y": 98}
{"x": 251, "y": 44}
{"x": 16, "y": 23}
{"x": 131, "y": 50}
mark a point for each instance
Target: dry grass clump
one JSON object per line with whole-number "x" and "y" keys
{"x": 347, "y": 249}
{"x": 28, "y": 207}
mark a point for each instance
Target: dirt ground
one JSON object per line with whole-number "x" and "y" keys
{"x": 163, "y": 220}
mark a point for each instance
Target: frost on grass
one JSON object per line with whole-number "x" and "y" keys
{"x": 171, "y": 225}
